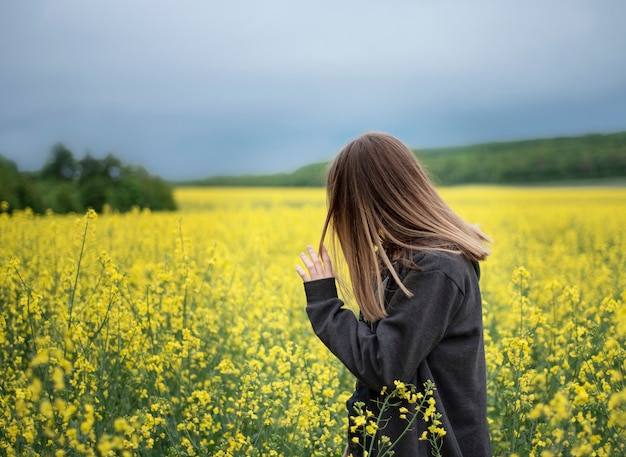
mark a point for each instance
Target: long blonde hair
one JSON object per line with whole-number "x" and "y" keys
{"x": 382, "y": 203}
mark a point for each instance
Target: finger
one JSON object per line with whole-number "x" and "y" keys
{"x": 316, "y": 260}
{"x": 307, "y": 262}
{"x": 302, "y": 273}
{"x": 328, "y": 266}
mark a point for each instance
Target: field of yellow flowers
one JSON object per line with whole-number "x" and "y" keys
{"x": 183, "y": 334}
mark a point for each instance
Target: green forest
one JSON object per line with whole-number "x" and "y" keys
{"x": 594, "y": 157}
{"x": 65, "y": 184}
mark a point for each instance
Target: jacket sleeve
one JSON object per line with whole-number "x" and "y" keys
{"x": 395, "y": 347}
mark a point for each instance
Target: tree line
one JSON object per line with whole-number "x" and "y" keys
{"x": 66, "y": 184}
{"x": 547, "y": 160}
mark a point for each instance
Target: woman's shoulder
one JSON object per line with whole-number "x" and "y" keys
{"x": 454, "y": 265}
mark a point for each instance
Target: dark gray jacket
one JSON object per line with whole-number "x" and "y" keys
{"x": 435, "y": 335}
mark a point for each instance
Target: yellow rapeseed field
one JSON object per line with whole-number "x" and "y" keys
{"x": 183, "y": 334}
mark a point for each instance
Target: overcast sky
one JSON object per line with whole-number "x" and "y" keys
{"x": 196, "y": 88}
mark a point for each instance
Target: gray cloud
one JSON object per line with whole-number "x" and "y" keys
{"x": 196, "y": 88}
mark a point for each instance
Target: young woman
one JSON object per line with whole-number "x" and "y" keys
{"x": 414, "y": 273}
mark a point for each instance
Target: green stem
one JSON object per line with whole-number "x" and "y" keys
{"x": 73, "y": 290}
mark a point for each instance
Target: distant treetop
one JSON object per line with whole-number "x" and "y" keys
{"x": 65, "y": 184}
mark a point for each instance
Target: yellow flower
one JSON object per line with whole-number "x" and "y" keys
{"x": 58, "y": 379}
{"x": 176, "y": 318}
{"x": 359, "y": 420}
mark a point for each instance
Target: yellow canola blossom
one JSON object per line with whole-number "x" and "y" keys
{"x": 185, "y": 333}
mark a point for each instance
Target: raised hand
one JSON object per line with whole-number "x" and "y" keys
{"x": 317, "y": 268}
